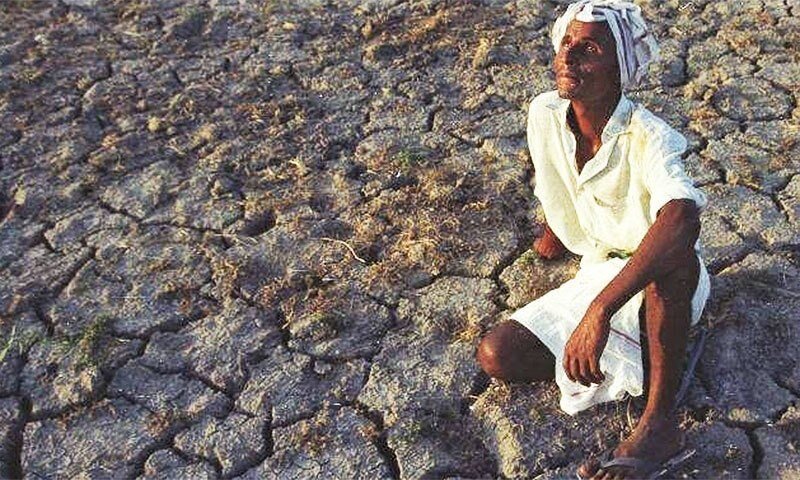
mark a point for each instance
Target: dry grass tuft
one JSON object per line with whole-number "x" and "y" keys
{"x": 369, "y": 431}
{"x": 470, "y": 329}
{"x": 422, "y": 28}
{"x": 87, "y": 343}
{"x": 311, "y": 434}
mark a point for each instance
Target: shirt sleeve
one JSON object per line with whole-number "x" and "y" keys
{"x": 665, "y": 177}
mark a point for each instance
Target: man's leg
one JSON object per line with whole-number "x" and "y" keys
{"x": 513, "y": 353}
{"x": 668, "y": 309}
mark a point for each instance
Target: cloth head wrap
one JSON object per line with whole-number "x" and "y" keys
{"x": 636, "y": 47}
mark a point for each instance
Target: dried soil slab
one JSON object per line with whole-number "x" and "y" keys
{"x": 506, "y": 168}
{"x": 518, "y": 84}
{"x": 701, "y": 169}
{"x": 506, "y": 161}
{"x": 501, "y": 125}
{"x": 335, "y": 443}
{"x": 705, "y": 124}
{"x": 753, "y": 167}
{"x": 449, "y": 218}
{"x": 433, "y": 356}
{"x": 778, "y": 136}
{"x": 722, "y": 452}
{"x": 720, "y": 242}
{"x": 11, "y": 426}
{"x": 236, "y": 442}
{"x": 94, "y": 226}
{"x": 703, "y": 54}
{"x": 293, "y": 385}
{"x": 790, "y": 199}
{"x": 787, "y": 75}
{"x": 432, "y": 439}
{"x": 527, "y": 432}
{"x": 103, "y": 98}
{"x": 336, "y": 323}
{"x": 131, "y": 151}
{"x": 17, "y": 334}
{"x": 343, "y": 114}
{"x": 398, "y": 113}
{"x": 88, "y": 299}
{"x": 150, "y": 286}
{"x": 216, "y": 348}
{"x": 671, "y": 70}
{"x": 779, "y": 443}
{"x": 202, "y": 202}
{"x": 486, "y": 237}
{"x": 10, "y": 367}
{"x": 60, "y": 144}
{"x": 450, "y": 308}
{"x": 171, "y": 395}
{"x": 464, "y": 122}
{"x": 16, "y": 236}
{"x": 140, "y": 193}
{"x": 413, "y": 366}
{"x": 490, "y": 52}
{"x": 753, "y": 313}
{"x": 167, "y": 465}
{"x": 57, "y": 376}
{"x": 43, "y": 197}
{"x": 752, "y": 99}
{"x": 386, "y": 153}
{"x": 109, "y": 439}
{"x": 37, "y": 274}
{"x": 256, "y": 267}
{"x": 753, "y": 216}
{"x": 667, "y": 104}
{"x": 530, "y": 277}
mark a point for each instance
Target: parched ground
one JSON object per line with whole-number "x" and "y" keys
{"x": 261, "y": 239}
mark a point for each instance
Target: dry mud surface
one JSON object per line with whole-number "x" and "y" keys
{"x": 247, "y": 239}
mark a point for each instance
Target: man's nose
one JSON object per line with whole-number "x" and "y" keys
{"x": 570, "y": 55}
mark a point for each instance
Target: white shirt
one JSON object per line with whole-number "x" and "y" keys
{"x": 614, "y": 200}
{"x": 608, "y": 207}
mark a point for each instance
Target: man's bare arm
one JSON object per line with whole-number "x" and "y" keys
{"x": 548, "y": 246}
{"x": 665, "y": 245}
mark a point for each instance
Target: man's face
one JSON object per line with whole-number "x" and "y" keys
{"x": 586, "y": 64}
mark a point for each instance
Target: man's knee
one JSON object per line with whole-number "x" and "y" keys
{"x": 512, "y": 353}
{"x": 494, "y": 351}
{"x": 489, "y": 356}
{"x": 679, "y": 284}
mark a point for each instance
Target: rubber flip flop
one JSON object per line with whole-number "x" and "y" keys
{"x": 651, "y": 470}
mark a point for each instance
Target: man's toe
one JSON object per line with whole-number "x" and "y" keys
{"x": 611, "y": 473}
{"x": 589, "y": 468}
{"x": 617, "y": 474}
{"x": 620, "y": 474}
{"x": 600, "y": 474}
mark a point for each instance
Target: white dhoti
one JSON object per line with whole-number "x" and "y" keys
{"x": 554, "y": 316}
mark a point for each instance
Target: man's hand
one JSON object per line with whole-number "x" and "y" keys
{"x": 583, "y": 350}
{"x": 548, "y": 246}
{"x": 665, "y": 245}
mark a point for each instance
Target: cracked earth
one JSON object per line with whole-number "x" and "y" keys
{"x": 261, "y": 239}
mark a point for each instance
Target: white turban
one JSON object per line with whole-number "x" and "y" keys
{"x": 636, "y": 47}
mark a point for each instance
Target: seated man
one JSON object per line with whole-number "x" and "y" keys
{"x": 610, "y": 181}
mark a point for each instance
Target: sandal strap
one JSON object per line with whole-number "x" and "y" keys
{"x": 650, "y": 468}
{"x": 637, "y": 464}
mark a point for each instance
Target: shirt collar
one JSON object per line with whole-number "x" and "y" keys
{"x": 616, "y": 125}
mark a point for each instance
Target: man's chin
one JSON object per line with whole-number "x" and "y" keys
{"x": 566, "y": 93}
{"x": 567, "y": 87}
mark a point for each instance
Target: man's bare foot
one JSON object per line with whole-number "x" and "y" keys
{"x": 548, "y": 246}
{"x": 654, "y": 440}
